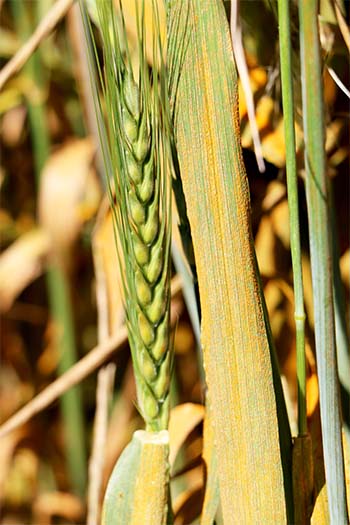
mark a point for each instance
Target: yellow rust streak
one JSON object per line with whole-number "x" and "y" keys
{"x": 235, "y": 346}
{"x": 151, "y": 487}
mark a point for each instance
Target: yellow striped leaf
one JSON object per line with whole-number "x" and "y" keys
{"x": 235, "y": 344}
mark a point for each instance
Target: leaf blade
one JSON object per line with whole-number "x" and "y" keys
{"x": 235, "y": 346}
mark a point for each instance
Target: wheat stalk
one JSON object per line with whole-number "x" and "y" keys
{"x": 140, "y": 154}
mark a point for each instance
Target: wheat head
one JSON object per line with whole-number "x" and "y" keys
{"x": 140, "y": 152}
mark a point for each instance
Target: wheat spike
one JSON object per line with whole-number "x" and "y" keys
{"x": 140, "y": 153}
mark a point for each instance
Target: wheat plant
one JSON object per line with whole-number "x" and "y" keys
{"x": 238, "y": 448}
{"x": 137, "y": 153}
{"x": 197, "y": 131}
{"x": 141, "y": 203}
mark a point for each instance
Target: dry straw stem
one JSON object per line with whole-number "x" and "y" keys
{"x": 45, "y": 27}
{"x": 343, "y": 26}
{"x": 105, "y": 377}
{"x": 105, "y": 381}
{"x": 237, "y": 44}
{"x": 235, "y": 345}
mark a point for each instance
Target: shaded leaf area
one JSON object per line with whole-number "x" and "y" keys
{"x": 68, "y": 214}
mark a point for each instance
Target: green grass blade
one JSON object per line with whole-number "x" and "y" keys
{"x": 71, "y": 402}
{"x": 34, "y": 71}
{"x": 291, "y": 168}
{"x": 321, "y": 258}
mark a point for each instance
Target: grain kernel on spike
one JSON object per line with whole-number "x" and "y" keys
{"x": 143, "y": 290}
{"x": 134, "y": 170}
{"x": 130, "y": 126}
{"x": 131, "y": 95}
{"x": 147, "y": 365}
{"x": 150, "y": 404}
{"x": 150, "y": 229}
{"x": 161, "y": 386}
{"x": 141, "y": 251}
{"x": 145, "y": 189}
{"x": 155, "y": 266}
{"x": 141, "y": 146}
{"x": 160, "y": 345}
{"x": 141, "y": 149}
{"x": 157, "y": 308}
{"x": 137, "y": 210}
{"x": 146, "y": 330}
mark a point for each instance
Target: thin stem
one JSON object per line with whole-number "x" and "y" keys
{"x": 321, "y": 258}
{"x": 71, "y": 402}
{"x": 292, "y": 185}
{"x": 104, "y": 390}
{"x": 57, "y": 281}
